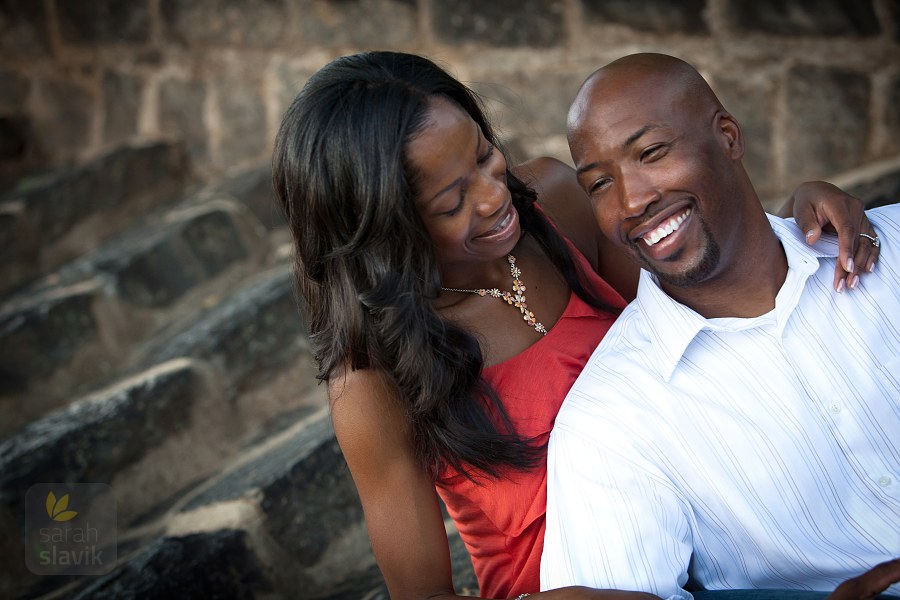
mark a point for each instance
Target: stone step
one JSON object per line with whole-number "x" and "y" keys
{"x": 247, "y": 335}
{"x": 286, "y": 509}
{"x": 128, "y": 436}
{"x": 252, "y": 345}
{"x": 152, "y": 437}
{"x": 47, "y": 220}
{"x": 253, "y": 188}
{"x": 66, "y": 332}
{"x": 256, "y": 340}
{"x": 216, "y": 564}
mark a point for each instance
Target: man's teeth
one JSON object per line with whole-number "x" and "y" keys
{"x": 666, "y": 228}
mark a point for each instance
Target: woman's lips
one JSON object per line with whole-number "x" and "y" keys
{"x": 506, "y": 223}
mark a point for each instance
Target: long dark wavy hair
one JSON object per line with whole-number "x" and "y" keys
{"x": 366, "y": 266}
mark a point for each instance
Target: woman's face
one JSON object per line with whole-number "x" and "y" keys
{"x": 461, "y": 191}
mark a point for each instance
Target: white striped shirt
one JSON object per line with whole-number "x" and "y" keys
{"x": 748, "y": 453}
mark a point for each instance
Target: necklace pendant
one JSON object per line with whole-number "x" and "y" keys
{"x": 516, "y": 298}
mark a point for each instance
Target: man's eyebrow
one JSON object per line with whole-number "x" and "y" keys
{"x": 637, "y": 134}
{"x": 631, "y": 139}
{"x": 585, "y": 168}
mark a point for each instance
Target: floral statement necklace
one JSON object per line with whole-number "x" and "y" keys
{"x": 515, "y": 298}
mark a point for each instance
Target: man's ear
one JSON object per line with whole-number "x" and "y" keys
{"x": 730, "y": 133}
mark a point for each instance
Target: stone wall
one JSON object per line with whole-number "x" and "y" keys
{"x": 815, "y": 84}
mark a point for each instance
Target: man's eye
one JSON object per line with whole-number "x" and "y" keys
{"x": 599, "y": 185}
{"x": 655, "y": 151}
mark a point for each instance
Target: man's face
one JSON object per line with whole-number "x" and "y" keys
{"x": 659, "y": 173}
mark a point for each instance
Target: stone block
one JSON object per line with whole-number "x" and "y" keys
{"x": 23, "y": 28}
{"x": 892, "y": 116}
{"x": 361, "y": 24}
{"x": 752, "y": 102}
{"x": 253, "y": 188}
{"x": 61, "y": 198}
{"x": 893, "y": 10}
{"x": 182, "y": 114}
{"x": 854, "y": 18}
{"x": 318, "y": 466}
{"x": 215, "y": 564}
{"x": 63, "y": 115}
{"x": 121, "y": 100}
{"x": 13, "y": 90}
{"x": 103, "y": 21}
{"x": 154, "y": 268}
{"x": 70, "y": 329}
{"x": 71, "y": 210}
{"x": 253, "y": 332}
{"x": 14, "y": 141}
{"x": 309, "y": 508}
{"x": 96, "y": 437}
{"x": 46, "y": 331}
{"x": 259, "y": 23}
{"x": 243, "y": 112}
{"x": 828, "y": 121}
{"x": 12, "y": 232}
{"x": 290, "y": 78}
{"x": 309, "y": 503}
{"x": 530, "y": 102}
{"x": 875, "y": 187}
{"x": 502, "y": 23}
{"x": 655, "y": 16}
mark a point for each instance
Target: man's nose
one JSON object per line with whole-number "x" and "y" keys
{"x": 638, "y": 191}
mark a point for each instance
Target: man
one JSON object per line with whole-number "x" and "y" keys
{"x": 721, "y": 437}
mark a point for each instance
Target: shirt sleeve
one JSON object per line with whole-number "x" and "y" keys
{"x": 612, "y": 522}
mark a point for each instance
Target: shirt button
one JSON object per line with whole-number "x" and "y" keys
{"x": 884, "y": 481}
{"x": 834, "y": 407}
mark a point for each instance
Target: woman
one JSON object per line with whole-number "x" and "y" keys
{"x": 415, "y": 242}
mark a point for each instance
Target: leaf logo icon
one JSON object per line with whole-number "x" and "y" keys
{"x": 57, "y": 508}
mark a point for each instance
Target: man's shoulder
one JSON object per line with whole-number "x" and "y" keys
{"x": 887, "y": 220}
{"x": 623, "y": 354}
{"x": 629, "y": 334}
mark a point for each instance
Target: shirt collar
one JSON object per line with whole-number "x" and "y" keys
{"x": 672, "y": 326}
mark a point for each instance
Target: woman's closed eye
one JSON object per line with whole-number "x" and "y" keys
{"x": 453, "y": 211}
{"x": 487, "y": 155}
{"x": 484, "y": 158}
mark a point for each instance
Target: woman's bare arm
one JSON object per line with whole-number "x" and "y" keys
{"x": 403, "y": 516}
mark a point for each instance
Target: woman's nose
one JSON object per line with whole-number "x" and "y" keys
{"x": 491, "y": 194}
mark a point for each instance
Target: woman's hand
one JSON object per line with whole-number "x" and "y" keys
{"x": 819, "y": 206}
{"x": 583, "y": 593}
{"x": 869, "y": 584}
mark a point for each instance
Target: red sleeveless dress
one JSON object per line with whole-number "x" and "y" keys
{"x": 502, "y": 521}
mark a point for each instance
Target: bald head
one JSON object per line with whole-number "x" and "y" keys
{"x": 641, "y": 78}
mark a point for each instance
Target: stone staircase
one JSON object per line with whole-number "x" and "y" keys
{"x": 151, "y": 340}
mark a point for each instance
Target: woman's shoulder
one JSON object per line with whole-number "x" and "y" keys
{"x": 569, "y": 207}
{"x": 563, "y": 201}
{"x": 365, "y": 406}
